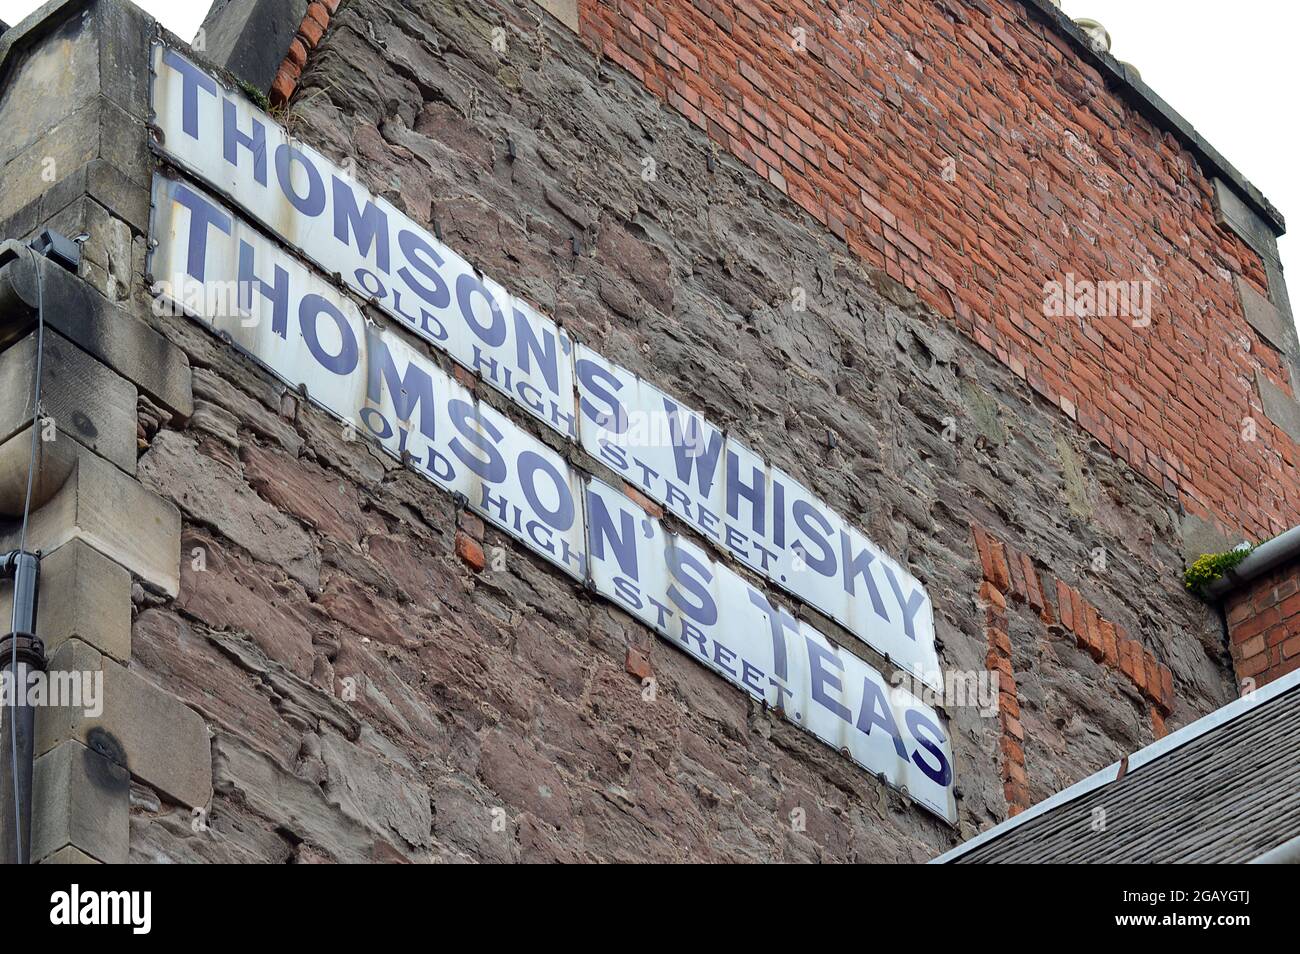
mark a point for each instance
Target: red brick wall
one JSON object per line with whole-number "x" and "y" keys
{"x": 1054, "y": 174}
{"x": 1010, "y": 575}
{"x": 1264, "y": 625}
{"x": 314, "y": 24}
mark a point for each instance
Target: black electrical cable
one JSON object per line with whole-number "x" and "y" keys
{"x": 22, "y": 548}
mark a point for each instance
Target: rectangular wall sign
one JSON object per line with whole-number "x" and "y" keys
{"x": 252, "y": 292}
{"x": 760, "y": 515}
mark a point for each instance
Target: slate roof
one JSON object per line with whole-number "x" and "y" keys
{"x": 1224, "y": 789}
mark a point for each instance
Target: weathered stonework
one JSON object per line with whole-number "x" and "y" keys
{"x": 81, "y": 812}
{"x": 249, "y": 37}
{"x": 107, "y": 380}
{"x": 504, "y": 688}
{"x": 86, "y": 399}
{"x": 99, "y": 616}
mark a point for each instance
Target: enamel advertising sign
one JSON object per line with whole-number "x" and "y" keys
{"x": 268, "y": 295}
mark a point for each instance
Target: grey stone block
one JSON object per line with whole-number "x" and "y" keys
{"x": 125, "y": 143}
{"x": 124, "y": 32}
{"x": 86, "y": 400}
{"x": 60, "y": 70}
{"x": 112, "y": 258}
{"x": 58, "y": 152}
{"x": 1199, "y": 536}
{"x": 250, "y": 37}
{"x": 102, "y": 328}
{"x": 1231, "y": 210}
{"x": 77, "y": 494}
{"x": 1281, "y": 408}
{"x": 100, "y": 615}
{"x": 157, "y": 738}
{"x": 566, "y": 11}
{"x": 108, "y": 35}
{"x": 98, "y": 180}
{"x": 1263, "y": 316}
{"x": 99, "y": 129}
{"x": 1278, "y": 290}
{"x": 80, "y": 800}
{"x": 67, "y": 855}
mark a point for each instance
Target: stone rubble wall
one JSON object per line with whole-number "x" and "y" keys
{"x": 505, "y": 694}
{"x": 382, "y": 678}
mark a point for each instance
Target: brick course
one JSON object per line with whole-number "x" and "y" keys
{"x": 1107, "y": 643}
{"x": 1264, "y": 626}
{"x": 314, "y": 24}
{"x": 1051, "y": 173}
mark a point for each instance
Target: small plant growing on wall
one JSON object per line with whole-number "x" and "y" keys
{"x": 1208, "y": 567}
{"x": 256, "y": 95}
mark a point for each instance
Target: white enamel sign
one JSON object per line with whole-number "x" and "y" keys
{"x": 761, "y": 516}
{"x": 252, "y": 292}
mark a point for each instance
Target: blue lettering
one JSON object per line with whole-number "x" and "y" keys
{"x": 705, "y": 610}
{"x": 309, "y": 312}
{"x": 413, "y": 246}
{"x": 467, "y": 286}
{"x": 371, "y": 228}
{"x": 818, "y": 657}
{"x": 860, "y": 565}
{"x": 313, "y": 203}
{"x": 929, "y": 737}
{"x": 465, "y": 417}
{"x": 202, "y": 214}
{"x": 232, "y": 138}
{"x": 600, "y": 528}
{"x": 876, "y": 711}
{"x": 778, "y": 620}
{"x": 529, "y": 464}
{"x": 593, "y": 379}
{"x": 277, "y": 294}
{"x": 528, "y": 345}
{"x": 910, "y": 606}
{"x": 804, "y": 514}
{"x": 690, "y": 449}
{"x": 755, "y": 493}
{"x": 192, "y": 80}
{"x": 409, "y": 392}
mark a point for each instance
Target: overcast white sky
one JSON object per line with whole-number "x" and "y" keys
{"x": 1229, "y": 68}
{"x": 182, "y": 17}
